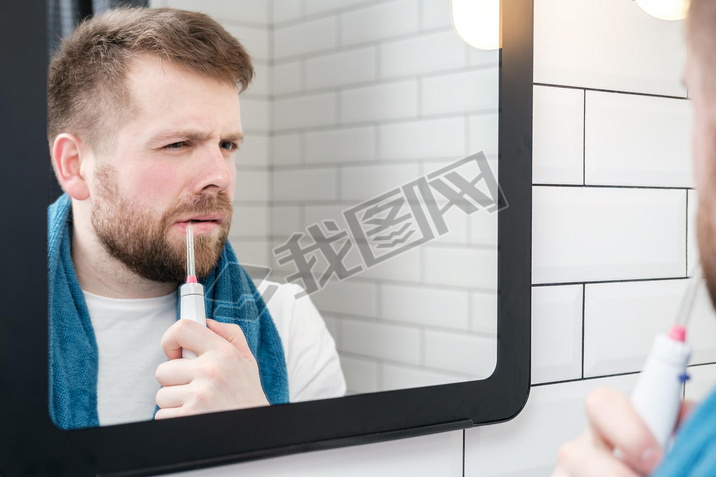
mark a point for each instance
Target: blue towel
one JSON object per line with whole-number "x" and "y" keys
{"x": 231, "y": 297}
{"x": 694, "y": 451}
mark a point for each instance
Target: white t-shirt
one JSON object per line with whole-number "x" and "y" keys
{"x": 129, "y": 333}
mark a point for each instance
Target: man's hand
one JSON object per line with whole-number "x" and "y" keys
{"x": 223, "y": 376}
{"x": 613, "y": 423}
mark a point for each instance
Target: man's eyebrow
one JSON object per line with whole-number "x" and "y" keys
{"x": 192, "y": 135}
{"x": 234, "y": 136}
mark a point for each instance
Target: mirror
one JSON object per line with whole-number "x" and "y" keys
{"x": 406, "y": 323}
{"x": 355, "y": 109}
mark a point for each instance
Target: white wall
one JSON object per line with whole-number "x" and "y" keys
{"x": 613, "y": 238}
{"x": 367, "y": 96}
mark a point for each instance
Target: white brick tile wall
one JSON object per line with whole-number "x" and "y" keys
{"x": 314, "y": 214}
{"x": 482, "y": 228}
{"x": 553, "y": 415}
{"x": 640, "y": 53}
{"x": 255, "y": 115}
{"x": 621, "y": 320}
{"x": 250, "y": 221}
{"x": 360, "y": 183}
{"x": 379, "y": 22}
{"x": 587, "y": 234}
{"x": 404, "y": 267}
{"x": 286, "y": 77}
{"x": 342, "y": 68}
{"x": 457, "y": 224}
{"x": 556, "y": 333}
{"x": 285, "y": 220}
{"x": 435, "y": 14}
{"x": 286, "y": 10}
{"x": 637, "y": 140}
{"x": 251, "y": 186}
{"x": 462, "y": 267}
{"x": 261, "y": 84}
{"x": 380, "y": 102}
{"x": 340, "y": 145}
{"x": 426, "y": 456}
{"x": 322, "y": 6}
{"x": 423, "y": 305}
{"x": 333, "y": 324}
{"x": 426, "y": 139}
{"x": 351, "y": 297}
{"x": 483, "y": 133}
{"x": 379, "y": 340}
{"x": 304, "y": 111}
{"x": 254, "y": 151}
{"x": 251, "y": 252}
{"x": 255, "y": 40}
{"x": 395, "y": 376}
{"x": 558, "y": 136}
{"x": 286, "y": 149}
{"x": 477, "y": 57}
{"x": 472, "y": 355}
{"x": 252, "y": 11}
{"x": 461, "y": 92}
{"x": 422, "y": 54}
{"x": 308, "y": 184}
{"x": 304, "y": 38}
{"x": 483, "y": 312}
{"x": 363, "y": 375}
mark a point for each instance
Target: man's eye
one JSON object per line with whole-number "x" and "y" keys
{"x": 229, "y": 146}
{"x": 175, "y": 145}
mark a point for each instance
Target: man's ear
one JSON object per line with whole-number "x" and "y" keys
{"x": 68, "y": 154}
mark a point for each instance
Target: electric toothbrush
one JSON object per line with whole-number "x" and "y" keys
{"x": 191, "y": 303}
{"x": 658, "y": 392}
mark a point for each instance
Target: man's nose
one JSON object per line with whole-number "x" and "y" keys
{"x": 214, "y": 171}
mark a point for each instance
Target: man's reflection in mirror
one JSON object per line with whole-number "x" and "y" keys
{"x": 143, "y": 126}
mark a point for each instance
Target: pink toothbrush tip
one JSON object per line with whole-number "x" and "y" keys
{"x": 191, "y": 279}
{"x": 678, "y": 333}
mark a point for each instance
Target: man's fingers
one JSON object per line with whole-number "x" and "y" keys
{"x": 615, "y": 421}
{"x": 580, "y": 458}
{"x": 170, "y": 413}
{"x": 233, "y": 334}
{"x": 186, "y": 334}
{"x": 174, "y": 372}
{"x": 172, "y": 396}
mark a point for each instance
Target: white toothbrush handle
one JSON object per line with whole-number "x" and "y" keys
{"x": 658, "y": 392}
{"x": 191, "y": 307}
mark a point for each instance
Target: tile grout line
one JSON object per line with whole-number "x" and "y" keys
{"x": 598, "y": 90}
{"x": 584, "y": 140}
{"x": 584, "y": 305}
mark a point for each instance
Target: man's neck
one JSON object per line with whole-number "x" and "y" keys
{"x": 101, "y": 274}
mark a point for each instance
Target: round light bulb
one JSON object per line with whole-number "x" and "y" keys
{"x": 477, "y": 22}
{"x": 665, "y": 9}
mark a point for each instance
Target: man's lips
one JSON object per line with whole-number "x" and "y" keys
{"x": 201, "y": 223}
{"x": 216, "y": 218}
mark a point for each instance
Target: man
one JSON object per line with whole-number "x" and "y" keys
{"x": 143, "y": 125}
{"x": 613, "y": 422}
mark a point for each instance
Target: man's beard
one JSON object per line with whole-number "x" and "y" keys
{"x": 138, "y": 239}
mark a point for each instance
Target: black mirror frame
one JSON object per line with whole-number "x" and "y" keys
{"x": 30, "y": 444}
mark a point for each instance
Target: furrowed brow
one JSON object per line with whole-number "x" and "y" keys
{"x": 174, "y": 136}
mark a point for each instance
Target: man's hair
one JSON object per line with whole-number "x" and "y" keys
{"x": 87, "y": 92}
{"x": 701, "y": 31}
